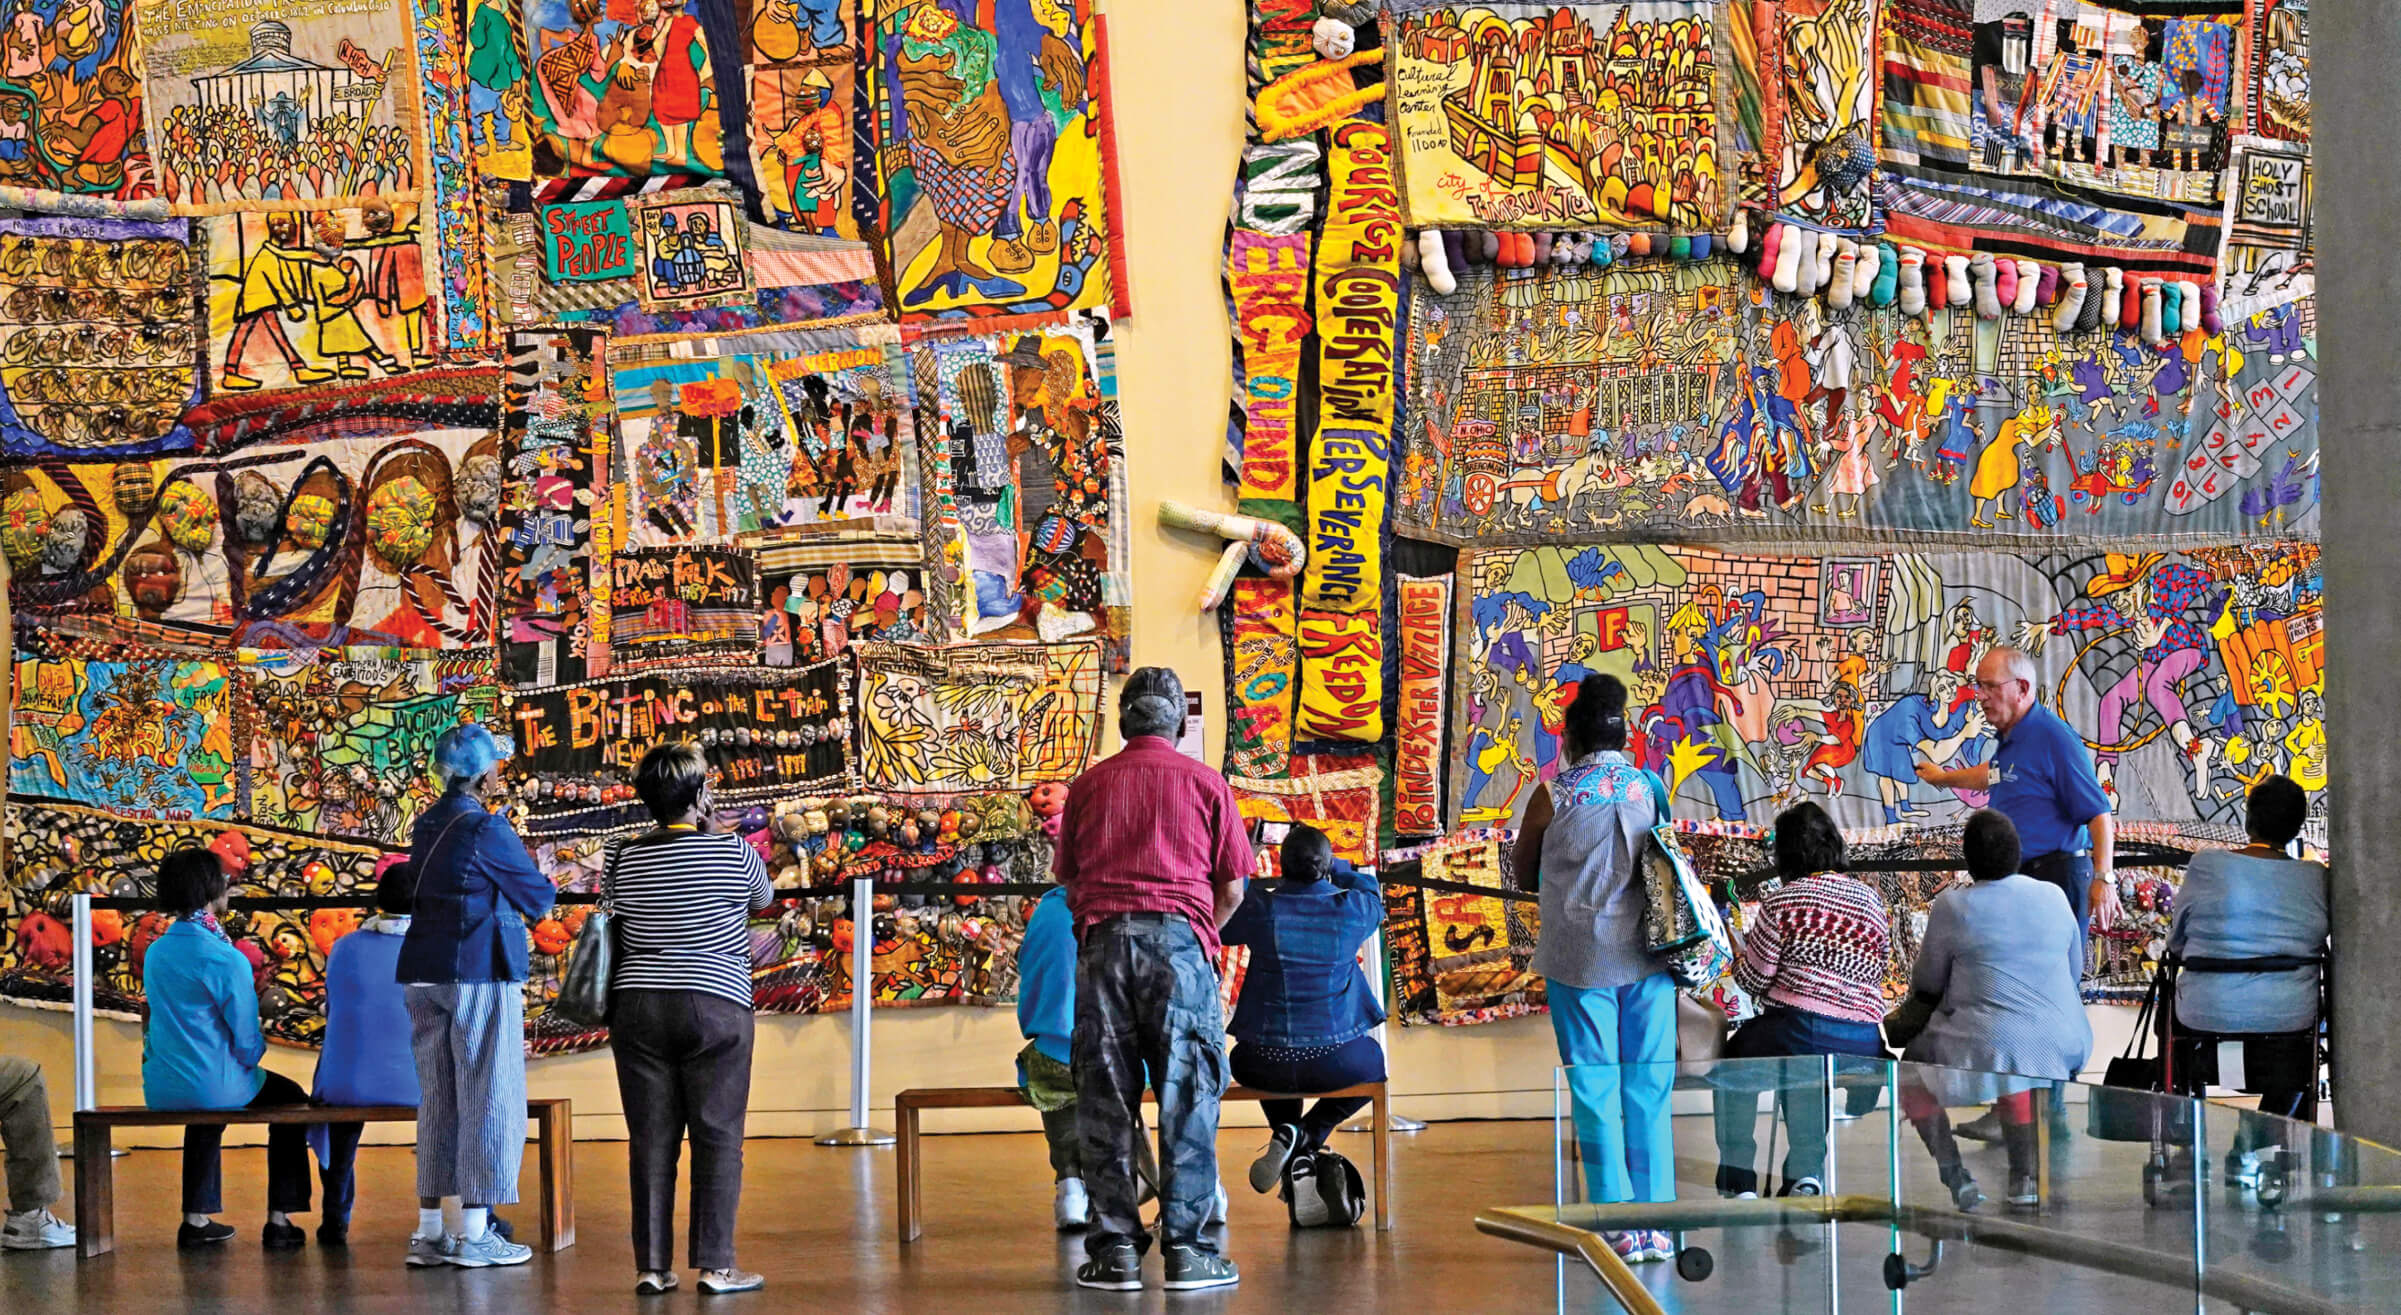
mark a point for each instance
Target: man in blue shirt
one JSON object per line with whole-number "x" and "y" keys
{"x": 2042, "y": 779}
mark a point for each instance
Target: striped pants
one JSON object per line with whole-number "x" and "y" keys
{"x": 469, "y": 1039}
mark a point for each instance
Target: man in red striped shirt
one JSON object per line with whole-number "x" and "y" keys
{"x": 1154, "y": 856}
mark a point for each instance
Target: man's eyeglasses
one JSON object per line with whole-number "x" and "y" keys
{"x": 1991, "y": 686}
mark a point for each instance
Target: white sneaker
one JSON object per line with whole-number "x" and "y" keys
{"x": 1071, "y": 1207}
{"x": 1269, "y": 1167}
{"x": 1308, "y": 1208}
{"x": 731, "y": 1280}
{"x": 484, "y": 1252}
{"x": 36, "y": 1230}
{"x": 1806, "y": 1187}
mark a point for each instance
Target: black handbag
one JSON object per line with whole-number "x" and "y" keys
{"x": 583, "y": 996}
{"x": 2132, "y": 1105}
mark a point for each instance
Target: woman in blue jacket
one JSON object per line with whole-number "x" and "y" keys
{"x": 463, "y": 963}
{"x": 1305, "y": 1021}
{"x": 200, "y": 1050}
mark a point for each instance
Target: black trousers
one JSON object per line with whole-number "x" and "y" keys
{"x": 287, "y": 1156}
{"x": 339, "y": 1176}
{"x": 1357, "y": 1060}
{"x": 683, "y": 1069}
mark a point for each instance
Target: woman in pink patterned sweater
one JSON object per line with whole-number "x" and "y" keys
{"x": 1814, "y": 959}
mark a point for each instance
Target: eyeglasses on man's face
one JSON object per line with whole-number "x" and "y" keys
{"x": 1992, "y": 686}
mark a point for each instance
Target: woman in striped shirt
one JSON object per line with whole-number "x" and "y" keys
{"x": 1814, "y": 959}
{"x": 680, "y": 1014}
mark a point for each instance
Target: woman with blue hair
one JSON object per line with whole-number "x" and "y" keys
{"x": 463, "y": 960}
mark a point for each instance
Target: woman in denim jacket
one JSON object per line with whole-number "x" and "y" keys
{"x": 1305, "y": 1021}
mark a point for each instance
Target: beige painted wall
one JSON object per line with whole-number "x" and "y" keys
{"x": 1178, "y": 85}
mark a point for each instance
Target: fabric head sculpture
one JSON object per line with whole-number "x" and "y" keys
{"x": 24, "y": 526}
{"x": 479, "y": 488}
{"x": 153, "y": 577}
{"x": 1333, "y": 38}
{"x": 188, "y": 517}
{"x": 310, "y": 520}
{"x": 256, "y": 505}
{"x": 62, "y": 546}
{"x": 400, "y": 520}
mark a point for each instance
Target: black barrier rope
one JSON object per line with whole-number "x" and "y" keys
{"x": 1403, "y": 873}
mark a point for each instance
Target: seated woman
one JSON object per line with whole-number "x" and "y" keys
{"x": 1815, "y": 959}
{"x": 2252, "y": 903}
{"x": 200, "y": 1051}
{"x": 1303, "y": 1024}
{"x": 1999, "y": 970}
{"x": 367, "y": 1059}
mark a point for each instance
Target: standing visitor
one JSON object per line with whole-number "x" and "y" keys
{"x": 680, "y": 1016}
{"x": 1153, "y": 854}
{"x": 463, "y": 964}
{"x": 1612, "y": 1001}
{"x": 1045, "y": 1068}
{"x": 1815, "y": 960}
{"x": 2042, "y": 779}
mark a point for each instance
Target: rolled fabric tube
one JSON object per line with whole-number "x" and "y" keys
{"x": 2029, "y": 283}
{"x": 2171, "y": 309}
{"x": 1738, "y": 234}
{"x": 2130, "y": 314}
{"x": 2211, "y": 324}
{"x": 1958, "y": 290}
{"x": 1273, "y": 547}
{"x": 1434, "y": 262}
{"x": 1909, "y": 281}
{"x": 2005, "y": 282}
{"x": 2154, "y": 318}
{"x": 1988, "y": 297}
{"x": 2072, "y": 291}
{"x": 1454, "y": 250}
{"x": 1863, "y": 275}
{"x": 1492, "y": 247}
{"x": 1679, "y": 247}
{"x": 1888, "y": 275}
{"x": 1846, "y": 274}
{"x": 1702, "y": 245}
{"x": 2113, "y": 294}
{"x": 1938, "y": 283}
{"x": 1788, "y": 258}
{"x": 1771, "y": 249}
{"x": 2046, "y": 291}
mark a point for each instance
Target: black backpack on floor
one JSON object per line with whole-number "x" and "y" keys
{"x": 1323, "y": 1190}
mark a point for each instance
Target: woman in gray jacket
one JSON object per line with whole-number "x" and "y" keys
{"x": 2000, "y": 966}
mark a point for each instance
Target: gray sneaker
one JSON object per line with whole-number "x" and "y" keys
{"x": 484, "y": 1252}
{"x": 1115, "y": 1268}
{"x": 1190, "y": 1267}
{"x": 1268, "y": 1169}
{"x": 427, "y": 1252}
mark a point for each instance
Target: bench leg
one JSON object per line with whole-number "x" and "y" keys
{"x": 905, "y": 1168}
{"x": 95, "y": 1191}
{"x": 1381, "y": 1134}
{"x": 554, "y": 1133}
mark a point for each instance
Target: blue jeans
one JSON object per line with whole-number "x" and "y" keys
{"x": 1146, "y": 1006}
{"x": 1799, "y": 1081}
{"x": 1621, "y": 1114}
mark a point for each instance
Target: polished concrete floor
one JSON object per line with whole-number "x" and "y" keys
{"x": 819, "y": 1223}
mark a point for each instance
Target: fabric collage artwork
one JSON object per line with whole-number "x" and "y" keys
{"x": 605, "y": 374}
{"x": 1779, "y": 358}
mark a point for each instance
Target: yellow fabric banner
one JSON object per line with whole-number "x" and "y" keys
{"x": 1357, "y": 314}
{"x": 1342, "y": 676}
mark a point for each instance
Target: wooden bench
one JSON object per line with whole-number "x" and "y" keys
{"x": 95, "y": 1173}
{"x": 905, "y": 1108}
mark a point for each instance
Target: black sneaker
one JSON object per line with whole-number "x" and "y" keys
{"x": 333, "y": 1235}
{"x": 1190, "y": 1267}
{"x": 282, "y": 1237}
{"x": 188, "y": 1236}
{"x": 1116, "y": 1268}
{"x": 1965, "y": 1195}
{"x": 2025, "y": 1192}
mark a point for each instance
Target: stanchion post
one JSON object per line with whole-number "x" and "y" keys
{"x": 862, "y": 999}
{"x": 87, "y": 1086}
{"x": 1375, "y": 983}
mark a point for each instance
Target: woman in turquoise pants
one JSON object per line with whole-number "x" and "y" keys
{"x": 1612, "y": 1003}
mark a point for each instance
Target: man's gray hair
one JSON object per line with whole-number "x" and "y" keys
{"x": 1151, "y": 703}
{"x": 2017, "y": 662}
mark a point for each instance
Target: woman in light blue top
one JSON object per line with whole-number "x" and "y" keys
{"x": 2253, "y": 903}
{"x": 1613, "y": 1004}
{"x": 200, "y": 1050}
